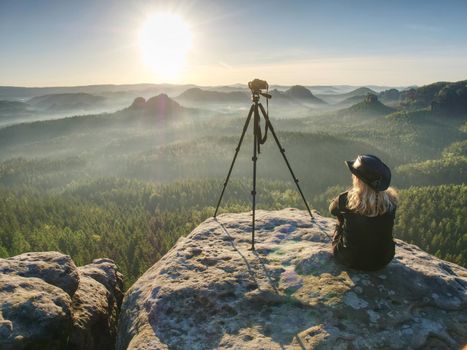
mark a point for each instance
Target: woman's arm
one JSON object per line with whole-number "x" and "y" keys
{"x": 334, "y": 206}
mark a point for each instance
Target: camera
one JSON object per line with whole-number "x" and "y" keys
{"x": 256, "y": 85}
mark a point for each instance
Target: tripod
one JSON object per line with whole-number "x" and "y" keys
{"x": 258, "y": 140}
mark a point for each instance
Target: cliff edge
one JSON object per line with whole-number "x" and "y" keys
{"x": 209, "y": 291}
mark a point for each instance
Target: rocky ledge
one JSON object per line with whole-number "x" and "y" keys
{"x": 209, "y": 291}
{"x": 46, "y": 302}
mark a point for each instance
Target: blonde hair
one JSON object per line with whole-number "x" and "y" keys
{"x": 364, "y": 200}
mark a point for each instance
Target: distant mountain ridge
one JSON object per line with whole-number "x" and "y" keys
{"x": 66, "y": 101}
{"x": 441, "y": 97}
{"x": 303, "y": 94}
{"x": 359, "y": 92}
{"x": 8, "y": 92}
{"x": 13, "y": 108}
{"x": 296, "y": 95}
{"x": 390, "y": 96}
{"x": 199, "y": 96}
{"x": 339, "y": 98}
{"x": 160, "y": 104}
{"x": 142, "y": 113}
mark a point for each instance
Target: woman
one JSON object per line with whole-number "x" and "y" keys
{"x": 363, "y": 238}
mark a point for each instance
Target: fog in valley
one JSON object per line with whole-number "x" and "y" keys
{"x": 165, "y": 133}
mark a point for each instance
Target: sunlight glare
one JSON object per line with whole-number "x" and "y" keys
{"x": 165, "y": 40}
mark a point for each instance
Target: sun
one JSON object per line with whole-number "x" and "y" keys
{"x": 165, "y": 40}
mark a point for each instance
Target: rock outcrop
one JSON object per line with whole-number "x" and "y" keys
{"x": 46, "y": 302}
{"x": 370, "y": 106}
{"x": 302, "y": 93}
{"x": 210, "y": 291}
{"x": 160, "y": 104}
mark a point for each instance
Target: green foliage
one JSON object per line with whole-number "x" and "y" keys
{"x": 41, "y": 173}
{"x": 442, "y": 98}
{"x": 322, "y": 201}
{"x": 448, "y": 170}
{"x": 456, "y": 149}
{"x": 317, "y": 159}
{"x": 435, "y": 218}
{"x": 422, "y": 96}
{"x": 451, "y": 100}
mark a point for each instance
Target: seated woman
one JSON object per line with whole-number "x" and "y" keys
{"x": 363, "y": 238}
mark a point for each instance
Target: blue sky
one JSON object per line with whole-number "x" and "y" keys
{"x": 46, "y": 43}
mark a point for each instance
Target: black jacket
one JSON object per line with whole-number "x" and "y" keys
{"x": 362, "y": 242}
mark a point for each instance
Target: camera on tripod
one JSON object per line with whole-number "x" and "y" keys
{"x": 256, "y": 110}
{"x": 256, "y": 86}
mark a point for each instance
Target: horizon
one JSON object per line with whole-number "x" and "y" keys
{"x": 57, "y": 44}
{"x": 210, "y": 86}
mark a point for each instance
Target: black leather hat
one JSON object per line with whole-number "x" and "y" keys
{"x": 371, "y": 170}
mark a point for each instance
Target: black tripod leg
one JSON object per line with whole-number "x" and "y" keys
{"x": 255, "y": 157}
{"x": 282, "y": 150}
{"x": 245, "y": 127}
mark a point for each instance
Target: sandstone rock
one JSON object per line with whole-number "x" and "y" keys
{"x": 210, "y": 291}
{"x": 33, "y": 314}
{"x": 42, "y": 305}
{"x": 96, "y": 305}
{"x": 105, "y": 272}
{"x": 52, "y": 267}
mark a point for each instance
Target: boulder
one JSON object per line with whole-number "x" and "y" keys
{"x": 96, "y": 305}
{"x": 210, "y": 291}
{"x": 52, "y": 267}
{"x": 46, "y": 302}
{"x": 105, "y": 272}
{"x": 33, "y": 314}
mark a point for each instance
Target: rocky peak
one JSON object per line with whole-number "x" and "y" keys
{"x": 299, "y": 91}
{"x": 193, "y": 92}
{"x": 210, "y": 291}
{"x": 371, "y": 98}
{"x": 302, "y": 94}
{"x": 369, "y": 106}
{"x": 160, "y": 104}
{"x": 138, "y": 103}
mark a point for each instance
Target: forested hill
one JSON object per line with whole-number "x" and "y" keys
{"x": 156, "y": 112}
{"x": 443, "y": 98}
{"x": 370, "y": 106}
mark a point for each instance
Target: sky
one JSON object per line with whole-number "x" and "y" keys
{"x": 391, "y": 43}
